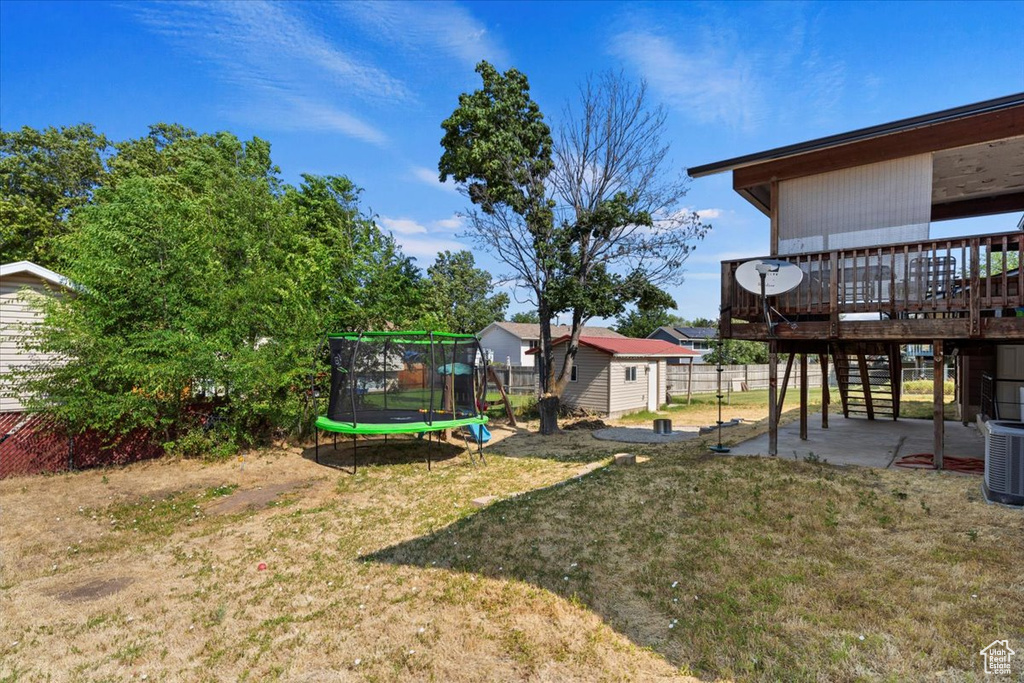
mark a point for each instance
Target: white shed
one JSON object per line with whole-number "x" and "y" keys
{"x": 20, "y": 283}
{"x": 617, "y": 375}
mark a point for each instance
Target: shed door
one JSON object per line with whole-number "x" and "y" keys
{"x": 652, "y": 386}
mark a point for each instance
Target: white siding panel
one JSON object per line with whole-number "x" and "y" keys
{"x": 590, "y": 390}
{"x": 628, "y": 397}
{"x": 884, "y": 203}
{"x": 16, "y": 311}
{"x": 505, "y": 345}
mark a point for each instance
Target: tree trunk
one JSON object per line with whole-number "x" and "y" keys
{"x": 548, "y": 404}
{"x": 548, "y": 409}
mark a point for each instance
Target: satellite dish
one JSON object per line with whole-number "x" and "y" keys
{"x": 779, "y": 276}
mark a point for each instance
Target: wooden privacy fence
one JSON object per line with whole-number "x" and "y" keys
{"x": 734, "y": 378}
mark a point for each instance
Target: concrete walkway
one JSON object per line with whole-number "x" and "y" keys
{"x": 869, "y": 443}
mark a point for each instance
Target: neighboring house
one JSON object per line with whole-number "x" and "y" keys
{"x": 35, "y": 442}
{"x": 509, "y": 342}
{"x": 617, "y": 375}
{"x": 20, "y": 282}
{"x": 854, "y": 212}
{"x": 700, "y": 339}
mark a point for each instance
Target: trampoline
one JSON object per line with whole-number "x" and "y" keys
{"x": 415, "y": 382}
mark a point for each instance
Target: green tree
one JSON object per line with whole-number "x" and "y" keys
{"x": 356, "y": 275}
{"x": 588, "y": 224}
{"x": 205, "y": 284}
{"x": 640, "y": 323}
{"x": 650, "y": 313}
{"x": 45, "y": 175}
{"x": 460, "y": 295}
{"x": 529, "y": 317}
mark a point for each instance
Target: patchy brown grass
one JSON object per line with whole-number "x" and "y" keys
{"x": 743, "y": 568}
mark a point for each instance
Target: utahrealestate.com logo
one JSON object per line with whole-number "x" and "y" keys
{"x": 998, "y": 656}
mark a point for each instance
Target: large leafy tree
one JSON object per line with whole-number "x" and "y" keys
{"x": 460, "y": 295}
{"x": 44, "y": 176}
{"x": 529, "y": 317}
{"x": 204, "y": 284}
{"x": 588, "y": 223}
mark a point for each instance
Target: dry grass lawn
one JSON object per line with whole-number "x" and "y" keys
{"x": 685, "y": 564}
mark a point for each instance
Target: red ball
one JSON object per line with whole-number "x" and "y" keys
{"x": 261, "y": 566}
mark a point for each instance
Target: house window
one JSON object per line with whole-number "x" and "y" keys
{"x": 631, "y": 373}
{"x": 534, "y": 343}
{"x": 573, "y": 376}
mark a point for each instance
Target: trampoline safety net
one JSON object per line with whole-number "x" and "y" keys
{"x": 382, "y": 379}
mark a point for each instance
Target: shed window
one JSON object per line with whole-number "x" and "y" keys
{"x": 573, "y": 377}
{"x": 631, "y": 373}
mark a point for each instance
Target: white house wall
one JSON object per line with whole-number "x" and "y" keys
{"x": 628, "y": 397}
{"x": 883, "y": 203}
{"x": 505, "y": 345}
{"x": 16, "y": 292}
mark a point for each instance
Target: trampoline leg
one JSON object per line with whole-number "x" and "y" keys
{"x": 335, "y": 440}
{"x": 355, "y": 454}
{"x": 316, "y": 440}
{"x": 480, "y": 451}
{"x": 430, "y": 446}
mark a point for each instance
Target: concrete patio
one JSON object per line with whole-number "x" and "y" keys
{"x": 868, "y": 443}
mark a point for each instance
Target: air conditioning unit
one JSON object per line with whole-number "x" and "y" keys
{"x": 1004, "y": 462}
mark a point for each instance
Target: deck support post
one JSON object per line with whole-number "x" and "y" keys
{"x": 938, "y": 417}
{"x": 803, "y": 397}
{"x": 689, "y": 381}
{"x": 825, "y": 398}
{"x": 773, "y": 391}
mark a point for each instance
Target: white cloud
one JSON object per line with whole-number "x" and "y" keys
{"x": 426, "y": 248}
{"x": 428, "y": 28}
{"x": 402, "y": 226}
{"x": 421, "y": 241}
{"x": 429, "y": 176}
{"x": 713, "y": 69}
{"x": 453, "y": 224}
{"x": 709, "y": 213}
{"x": 707, "y": 83}
{"x": 289, "y": 74}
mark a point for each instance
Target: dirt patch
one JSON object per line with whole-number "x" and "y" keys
{"x": 589, "y": 424}
{"x": 254, "y": 499}
{"x": 95, "y": 589}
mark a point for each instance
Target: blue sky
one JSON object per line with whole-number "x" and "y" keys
{"x": 360, "y": 88}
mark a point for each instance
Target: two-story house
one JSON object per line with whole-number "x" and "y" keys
{"x": 855, "y": 213}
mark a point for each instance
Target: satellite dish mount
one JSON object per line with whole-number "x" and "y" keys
{"x": 769, "y": 277}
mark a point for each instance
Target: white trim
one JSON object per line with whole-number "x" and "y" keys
{"x": 8, "y": 269}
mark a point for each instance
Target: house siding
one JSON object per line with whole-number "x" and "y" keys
{"x": 503, "y": 344}
{"x": 16, "y": 310}
{"x": 628, "y": 397}
{"x": 662, "y": 381}
{"x": 590, "y": 391}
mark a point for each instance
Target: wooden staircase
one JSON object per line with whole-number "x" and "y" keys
{"x": 869, "y": 376}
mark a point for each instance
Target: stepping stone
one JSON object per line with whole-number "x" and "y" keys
{"x": 625, "y": 459}
{"x": 484, "y": 501}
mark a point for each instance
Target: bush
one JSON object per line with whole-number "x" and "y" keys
{"x": 925, "y": 386}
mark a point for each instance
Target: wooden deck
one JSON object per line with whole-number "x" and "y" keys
{"x": 952, "y": 288}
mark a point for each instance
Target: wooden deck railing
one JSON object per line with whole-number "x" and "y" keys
{"x": 961, "y": 276}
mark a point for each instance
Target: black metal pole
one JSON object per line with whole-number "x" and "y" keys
{"x": 355, "y": 454}
{"x": 352, "y": 373}
{"x": 720, "y": 448}
{"x": 430, "y": 408}
{"x": 316, "y": 440}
